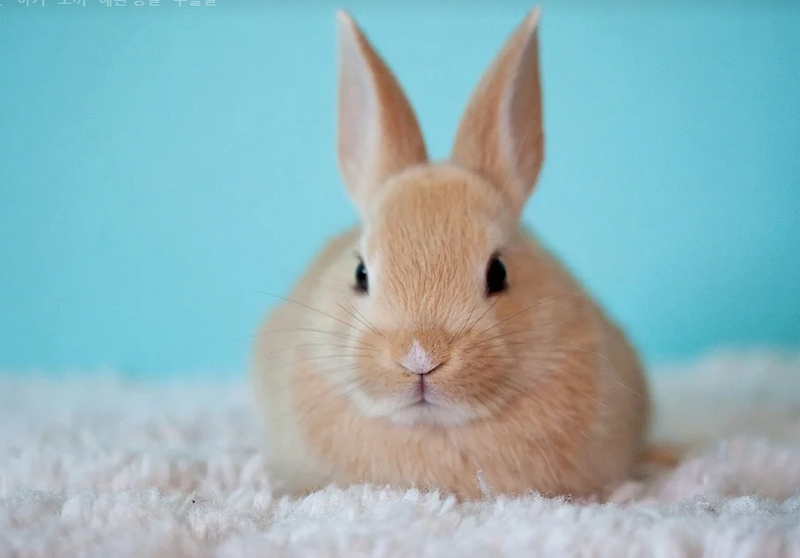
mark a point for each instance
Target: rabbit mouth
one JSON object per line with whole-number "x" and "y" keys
{"x": 425, "y": 408}
{"x": 422, "y": 394}
{"x": 425, "y": 394}
{"x": 418, "y": 403}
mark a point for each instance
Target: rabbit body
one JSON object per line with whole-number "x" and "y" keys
{"x": 439, "y": 345}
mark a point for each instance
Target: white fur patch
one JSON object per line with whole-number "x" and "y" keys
{"x": 432, "y": 414}
{"x": 417, "y": 360}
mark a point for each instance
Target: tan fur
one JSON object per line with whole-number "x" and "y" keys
{"x": 534, "y": 389}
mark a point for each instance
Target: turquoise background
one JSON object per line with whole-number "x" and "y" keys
{"x": 159, "y": 166}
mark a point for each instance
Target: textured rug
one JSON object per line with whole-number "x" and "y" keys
{"x": 96, "y": 465}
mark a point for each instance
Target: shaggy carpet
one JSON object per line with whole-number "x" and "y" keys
{"x": 97, "y": 465}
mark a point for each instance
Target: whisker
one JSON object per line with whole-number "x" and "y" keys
{"x": 312, "y": 330}
{"x": 306, "y": 406}
{"x": 491, "y": 399}
{"x": 463, "y": 325}
{"x": 472, "y": 327}
{"x": 514, "y": 357}
{"x": 552, "y": 392}
{"x": 529, "y": 308}
{"x": 312, "y": 405}
{"x": 550, "y": 345}
{"x": 369, "y": 324}
{"x": 534, "y": 359}
{"x": 271, "y": 381}
{"x": 546, "y": 435}
{"x": 317, "y": 358}
{"x": 363, "y": 321}
{"x": 630, "y": 389}
{"x": 312, "y": 309}
{"x": 352, "y": 315}
{"x": 542, "y": 327}
{"x": 302, "y": 345}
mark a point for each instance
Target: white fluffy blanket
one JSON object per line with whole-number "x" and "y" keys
{"x": 100, "y": 466}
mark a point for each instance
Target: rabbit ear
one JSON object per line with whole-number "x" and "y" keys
{"x": 500, "y": 135}
{"x": 378, "y": 132}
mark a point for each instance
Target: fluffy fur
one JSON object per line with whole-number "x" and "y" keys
{"x": 96, "y": 465}
{"x": 536, "y": 387}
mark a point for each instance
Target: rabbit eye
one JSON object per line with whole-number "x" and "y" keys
{"x": 362, "y": 281}
{"x": 496, "y": 277}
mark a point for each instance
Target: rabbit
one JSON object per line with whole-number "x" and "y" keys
{"x": 438, "y": 345}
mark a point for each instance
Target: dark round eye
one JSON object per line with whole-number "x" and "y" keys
{"x": 496, "y": 277}
{"x": 362, "y": 281}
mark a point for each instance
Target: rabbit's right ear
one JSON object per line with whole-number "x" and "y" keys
{"x": 378, "y": 132}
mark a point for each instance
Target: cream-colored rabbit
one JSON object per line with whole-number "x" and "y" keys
{"x": 439, "y": 343}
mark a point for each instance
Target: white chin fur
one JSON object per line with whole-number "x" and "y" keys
{"x": 431, "y": 415}
{"x": 402, "y": 414}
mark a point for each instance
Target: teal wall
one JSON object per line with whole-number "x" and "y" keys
{"x": 159, "y": 166}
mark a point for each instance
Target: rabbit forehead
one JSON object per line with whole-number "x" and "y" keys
{"x": 430, "y": 239}
{"x": 439, "y": 212}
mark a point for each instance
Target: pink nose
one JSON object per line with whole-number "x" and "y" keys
{"x": 417, "y": 360}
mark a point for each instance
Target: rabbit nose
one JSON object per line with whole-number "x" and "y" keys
{"x": 417, "y": 360}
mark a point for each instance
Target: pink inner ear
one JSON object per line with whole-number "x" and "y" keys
{"x": 357, "y": 109}
{"x": 524, "y": 116}
{"x": 378, "y": 131}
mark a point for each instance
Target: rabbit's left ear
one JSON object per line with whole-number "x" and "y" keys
{"x": 378, "y": 132}
{"x": 501, "y": 135}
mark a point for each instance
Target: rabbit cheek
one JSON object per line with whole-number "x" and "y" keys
{"x": 377, "y": 382}
{"x": 378, "y": 379}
